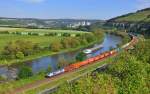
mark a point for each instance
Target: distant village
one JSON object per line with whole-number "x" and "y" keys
{"x": 70, "y": 23}
{"x": 77, "y": 24}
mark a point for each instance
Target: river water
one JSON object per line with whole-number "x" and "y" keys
{"x": 41, "y": 64}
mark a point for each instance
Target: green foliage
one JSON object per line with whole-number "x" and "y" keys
{"x": 139, "y": 16}
{"x": 49, "y": 69}
{"x": 80, "y": 56}
{"x": 19, "y": 55}
{"x": 89, "y": 37}
{"x": 142, "y": 51}
{"x": 101, "y": 84}
{"x": 83, "y": 28}
{"x": 56, "y": 46}
{"x": 128, "y": 74}
{"x": 70, "y": 42}
{"x": 25, "y": 72}
{"x": 99, "y": 33}
{"x": 2, "y": 78}
{"x": 61, "y": 63}
{"x": 19, "y": 47}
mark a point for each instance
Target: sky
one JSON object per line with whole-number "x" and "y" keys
{"x": 68, "y": 9}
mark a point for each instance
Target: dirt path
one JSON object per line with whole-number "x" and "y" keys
{"x": 34, "y": 85}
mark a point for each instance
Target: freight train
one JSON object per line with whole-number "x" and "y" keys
{"x": 91, "y": 60}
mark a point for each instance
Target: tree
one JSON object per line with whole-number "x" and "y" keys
{"x": 61, "y": 62}
{"x": 56, "y": 46}
{"x": 129, "y": 74}
{"x": 80, "y": 56}
{"x": 99, "y": 33}
{"x": 14, "y": 48}
{"x": 101, "y": 84}
{"x": 49, "y": 69}
{"x": 65, "y": 42}
{"x": 19, "y": 55}
{"x": 89, "y": 37}
{"x": 25, "y": 72}
{"x": 70, "y": 42}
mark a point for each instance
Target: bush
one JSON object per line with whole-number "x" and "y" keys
{"x": 88, "y": 37}
{"x": 49, "y": 69}
{"x": 70, "y": 42}
{"x": 25, "y": 72}
{"x": 55, "y": 46}
{"x": 19, "y": 55}
{"x": 80, "y": 56}
{"x": 19, "y": 49}
{"x": 62, "y": 62}
{"x": 66, "y": 35}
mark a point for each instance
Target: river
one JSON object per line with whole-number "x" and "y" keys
{"x": 41, "y": 64}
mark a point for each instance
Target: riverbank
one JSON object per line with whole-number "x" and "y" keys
{"x": 125, "y": 36}
{"x": 47, "y": 53}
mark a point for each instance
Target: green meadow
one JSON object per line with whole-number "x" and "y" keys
{"x": 41, "y": 40}
{"x": 38, "y": 36}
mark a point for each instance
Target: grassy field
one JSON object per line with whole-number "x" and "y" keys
{"x": 38, "y": 30}
{"x": 41, "y": 40}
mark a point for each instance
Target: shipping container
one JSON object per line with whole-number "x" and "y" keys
{"x": 106, "y": 54}
{"x": 101, "y": 56}
{"x": 97, "y": 58}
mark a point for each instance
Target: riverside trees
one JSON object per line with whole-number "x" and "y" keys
{"x": 20, "y": 49}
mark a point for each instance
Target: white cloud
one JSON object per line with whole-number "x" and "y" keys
{"x": 33, "y": 1}
{"x": 143, "y": 4}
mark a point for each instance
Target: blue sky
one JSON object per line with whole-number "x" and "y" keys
{"x": 81, "y": 9}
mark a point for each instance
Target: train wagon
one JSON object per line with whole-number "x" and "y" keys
{"x": 76, "y": 65}
{"x": 106, "y": 54}
{"x": 97, "y": 58}
{"x": 69, "y": 68}
{"x": 80, "y": 64}
{"x": 55, "y": 73}
{"x": 90, "y": 60}
{"x": 84, "y": 62}
{"x": 101, "y": 56}
{"x": 113, "y": 52}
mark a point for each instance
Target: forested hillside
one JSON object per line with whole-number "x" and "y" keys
{"x": 138, "y": 22}
{"x": 139, "y": 16}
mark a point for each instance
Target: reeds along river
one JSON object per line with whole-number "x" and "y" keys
{"x": 41, "y": 64}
